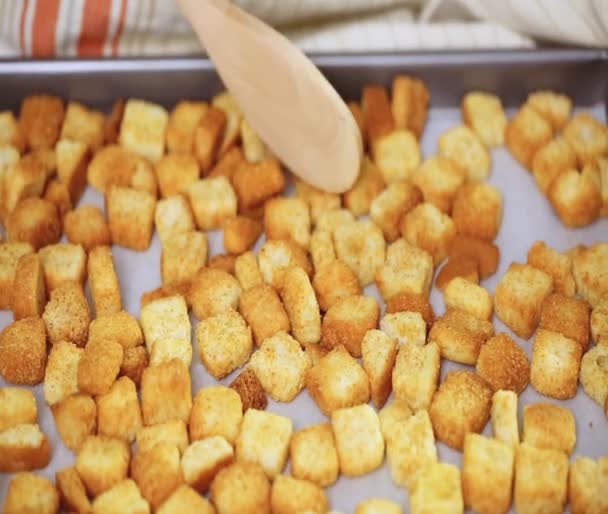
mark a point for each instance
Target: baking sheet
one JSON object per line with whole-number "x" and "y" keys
{"x": 527, "y": 218}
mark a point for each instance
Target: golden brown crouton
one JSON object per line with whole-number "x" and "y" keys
{"x": 212, "y": 292}
{"x": 130, "y": 217}
{"x": 212, "y": 200}
{"x": 556, "y": 360}
{"x": 103, "y": 281}
{"x": 410, "y": 102}
{"x": 10, "y": 131}
{"x": 166, "y": 318}
{"x": 460, "y": 335}
{"x": 587, "y": 136}
{"x": 594, "y": 373}
{"x": 551, "y": 426}
{"x": 226, "y": 102}
{"x": 337, "y": 381}
{"x": 378, "y": 506}
{"x": 58, "y": 194}
{"x": 262, "y": 309}
{"x": 183, "y": 255}
{"x": 157, "y": 472}
{"x": 377, "y": 112}
{"x": 99, "y": 366}
{"x": 123, "y": 497}
{"x": 183, "y": 120}
{"x": 228, "y": 163}
{"x": 224, "y": 343}
{"x": 334, "y": 219}
{"x": 416, "y": 374}
{"x": 584, "y": 485}
{"x": 241, "y": 487}
{"x": 240, "y": 234}
{"x": 504, "y": 417}
{"x": 552, "y": 106}
{"x": 461, "y": 405}
{"x": 568, "y": 316}
{"x": 83, "y": 124}
{"x": 247, "y": 271}
{"x": 484, "y": 113}
{"x": 460, "y": 266}
{"x": 208, "y": 137}
{"x": 142, "y": 129}
{"x": 318, "y": 201}
{"x": 166, "y": 393}
{"x": 203, "y": 459}
{"x": 216, "y": 411}
{"x": 113, "y": 120}
{"x": 18, "y": 407}
{"x": 40, "y": 120}
{"x": 254, "y": 183}
{"x": 526, "y": 133}
{"x": 484, "y": 252}
{"x": 463, "y": 146}
{"x": 322, "y": 249}
{"x": 392, "y": 417}
{"x": 287, "y": 218}
{"x": 438, "y": 490}
{"x": 576, "y": 196}
{"x": 397, "y": 155}
{"x": 75, "y": 419}
{"x": 404, "y": 327}
{"x": 487, "y": 474}
{"x": 413, "y": 303}
{"x": 519, "y": 298}
{"x": 67, "y": 314}
{"x": 134, "y": 361}
{"x": 28, "y": 295}
{"x": 173, "y": 216}
{"x": 63, "y": 262}
{"x": 503, "y": 364}
{"x": 253, "y": 146}
{"x": 72, "y": 161}
{"x": 24, "y": 179}
{"x": 599, "y": 322}
{"x": 550, "y": 161}
{"x": 472, "y": 298}
{"x": 427, "y": 227}
{"x": 28, "y": 494}
{"x": 392, "y": 204}
{"x": 541, "y": 478}
{"x": 379, "y": 352}
{"x": 35, "y": 221}
{"x": 22, "y": 448}
{"x": 61, "y": 376}
{"x": 292, "y": 495}
{"x": 439, "y": 178}
{"x": 478, "y": 210}
{"x": 113, "y": 165}
{"x": 250, "y": 389}
{"x": 313, "y": 455}
{"x": 172, "y": 432}
{"x": 222, "y": 262}
{"x": 118, "y": 411}
{"x": 23, "y": 351}
{"x": 301, "y": 306}
{"x": 557, "y": 265}
{"x": 87, "y": 227}
{"x": 333, "y": 282}
{"x": 588, "y": 267}
{"x": 175, "y": 173}
{"x": 72, "y": 491}
{"x": 368, "y": 185}
{"x": 121, "y": 327}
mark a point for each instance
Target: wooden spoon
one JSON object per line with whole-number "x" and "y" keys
{"x": 284, "y": 97}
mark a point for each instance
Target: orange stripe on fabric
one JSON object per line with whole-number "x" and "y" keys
{"x": 22, "y": 26}
{"x": 121, "y": 24}
{"x": 94, "y": 27}
{"x": 43, "y": 29}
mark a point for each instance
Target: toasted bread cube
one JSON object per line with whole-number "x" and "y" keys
{"x": 397, "y": 155}
{"x": 301, "y": 306}
{"x": 410, "y": 101}
{"x": 10, "y": 131}
{"x": 390, "y": 205}
{"x": 216, "y": 411}
{"x": 526, "y": 133}
{"x": 276, "y": 257}
{"x": 484, "y": 113}
{"x": 407, "y": 302}
{"x": 313, "y": 455}
{"x": 224, "y": 343}
{"x": 334, "y": 219}
{"x": 18, "y": 406}
{"x": 58, "y": 194}
{"x": 568, "y": 316}
{"x": 404, "y": 327}
{"x": 123, "y": 497}
{"x": 157, "y": 472}
{"x": 67, "y": 314}
{"x": 253, "y": 146}
{"x": 75, "y": 419}
{"x": 23, "y": 351}
{"x": 554, "y": 107}
{"x": 478, "y": 210}
{"x": 439, "y": 179}
{"x": 377, "y": 112}
{"x": 287, "y": 218}
{"x": 83, "y": 124}
{"x": 72, "y": 161}
{"x": 240, "y": 234}
{"x": 183, "y": 120}
{"x": 292, "y": 495}
{"x": 519, "y": 298}
{"x": 212, "y": 200}
{"x": 416, "y": 374}
{"x": 222, "y": 262}
{"x": 464, "y": 146}
{"x": 461, "y": 266}
{"x": 504, "y": 417}
{"x": 503, "y": 364}
{"x": 166, "y": 393}
{"x": 71, "y": 489}
{"x": 183, "y": 255}
{"x": 438, "y": 490}
{"x": 35, "y": 221}
{"x": 173, "y": 432}
{"x": 484, "y": 252}
{"x": 587, "y": 267}
{"x": 114, "y": 165}
{"x": 347, "y": 321}
{"x": 549, "y": 426}
{"x": 175, "y": 173}
{"x": 226, "y": 102}
{"x": 22, "y": 448}
{"x": 582, "y": 485}
{"x": 103, "y": 281}
{"x": 487, "y": 474}
{"x": 203, "y": 459}
{"x": 472, "y": 298}
{"x": 551, "y": 160}
{"x": 143, "y": 129}
{"x": 10, "y": 253}
{"x": 40, "y": 119}
{"x": 249, "y": 388}
{"x": 360, "y": 245}
{"x": 247, "y": 271}
{"x": 165, "y": 318}
{"x": 61, "y": 376}
{"x": 378, "y": 506}
{"x": 24, "y": 179}
{"x": 427, "y": 227}
{"x": 367, "y": 186}
{"x": 461, "y": 405}
{"x": 254, "y": 183}
{"x": 166, "y": 349}
{"x": 213, "y": 292}
{"x": 557, "y": 265}
{"x": 102, "y": 462}
{"x": 241, "y": 487}
{"x": 322, "y": 249}
{"x": 587, "y": 136}
{"x": 541, "y": 480}
{"x": 594, "y": 373}
{"x": 121, "y": 327}
{"x": 264, "y": 312}
{"x": 130, "y": 217}
{"x": 337, "y": 381}
{"x": 118, "y": 411}
{"x": 318, "y": 201}
{"x": 28, "y": 295}
{"x": 87, "y": 226}
{"x": 379, "y": 353}
{"x": 63, "y": 262}
{"x": 134, "y": 361}
{"x": 185, "y": 500}
{"x": 334, "y": 282}
{"x": 228, "y": 163}
{"x": 460, "y": 335}
{"x": 281, "y": 366}
{"x": 556, "y": 360}
{"x": 99, "y": 366}
{"x": 28, "y": 494}
{"x": 264, "y": 440}
{"x": 173, "y": 216}
{"x": 359, "y": 441}
{"x": 392, "y": 417}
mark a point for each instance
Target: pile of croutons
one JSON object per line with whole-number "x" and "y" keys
{"x": 294, "y": 316}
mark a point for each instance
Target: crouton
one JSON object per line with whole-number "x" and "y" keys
{"x": 281, "y": 366}
{"x": 392, "y": 417}
{"x": 102, "y": 462}
{"x": 588, "y": 267}
{"x": 292, "y": 495}
{"x": 333, "y": 282}
{"x": 247, "y": 271}
{"x": 166, "y": 349}
{"x": 58, "y": 194}
{"x": 549, "y": 426}
{"x": 28, "y": 295}
{"x": 103, "y": 281}
{"x": 487, "y": 474}
{"x": 240, "y": 234}
{"x": 390, "y": 205}
{"x": 122, "y": 497}
{"x": 183, "y": 120}
{"x": 550, "y": 161}
{"x": 72, "y": 492}
{"x": 142, "y": 129}
{"x": 463, "y": 146}
{"x": 427, "y": 227}
{"x": 118, "y": 411}
{"x": 241, "y": 487}
{"x": 165, "y": 318}
{"x": 10, "y": 131}
{"x": 18, "y": 407}
{"x": 439, "y": 179}
{"x": 185, "y": 500}
{"x": 157, "y": 472}
{"x": 99, "y": 366}
{"x": 504, "y": 417}
{"x": 203, "y": 459}
{"x": 416, "y": 374}
{"x": 224, "y": 343}
{"x": 541, "y": 478}
{"x": 176, "y": 172}
{"x": 313, "y": 455}
{"x": 484, "y": 252}
{"x": 113, "y": 165}
{"x": 377, "y": 112}
{"x": 582, "y": 485}
{"x": 556, "y": 360}
{"x": 379, "y": 353}
{"x": 322, "y": 249}
{"x": 460, "y": 266}
{"x": 67, "y": 315}
{"x": 404, "y": 327}
{"x": 28, "y": 493}
{"x": 75, "y": 419}
{"x": 250, "y": 390}
{"x": 121, "y": 327}
{"x": 461, "y": 405}
{"x": 301, "y": 306}
{"x": 287, "y": 218}
{"x": 130, "y": 217}
{"x": 397, "y": 155}
{"x": 262, "y": 309}
{"x": 576, "y": 196}
{"x": 63, "y": 262}
{"x": 23, "y": 351}
{"x": 134, "y": 361}
{"x": 113, "y": 120}
{"x": 264, "y": 440}
{"x": 438, "y": 490}
{"x": 213, "y": 292}
{"x": 216, "y": 411}
{"x": 334, "y": 219}
{"x": 552, "y": 106}
{"x": 228, "y": 163}
{"x": 35, "y": 221}
{"x": 594, "y": 373}
{"x": 410, "y": 103}
{"x": 599, "y": 322}
{"x": 253, "y": 146}
{"x": 40, "y": 119}
{"x": 368, "y": 185}
{"x": 526, "y": 133}
{"x": 72, "y": 162}
{"x": 254, "y": 183}
{"x": 478, "y": 210}
{"x": 587, "y": 136}
{"x": 23, "y": 447}
{"x": 61, "y": 376}
{"x": 378, "y": 506}
{"x": 24, "y": 179}
{"x": 318, "y": 201}
{"x": 557, "y": 265}
{"x": 472, "y": 298}
{"x": 87, "y": 226}
{"x": 484, "y": 113}
{"x": 173, "y": 216}
{"x": 568, "y": 316}
{"x": 183, "y": 255}
{"x": 172, "y": 432}
{"x": 83, "y": 124}
{"x": 226, "y": 102}
{"x": 460, "y": 335}
{"x": 519, "y": 298}
{"x": 222, "y": 262}
{"x": 212, "y": 200}
{"x": 503, "y": 364}
{"x": 413, "y": 303}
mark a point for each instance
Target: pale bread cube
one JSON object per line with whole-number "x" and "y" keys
{"x": 464, "y": 146}
{"x": 72, "y": 159}
{"x": 322, "y": 251}
{"x": 29, "y": 493}
{"x": 526, "y": 133}
{"x": 165, "y": 318}
{"x": 472, "y": 298}
{"x": 118, "y": 411}
{"x": 23, "y": 448}
{"x": 392, "y": 204}
{"x": 241, "y": 487}
{"x": 75, "y": 419}
{"x": 287, "y": 218}
{"x": 587, "y": 480}
{"x": 392, "y": 417}
{"x": 264, "y": 312}
{"x": 18, "y": 407}
{"x": 123, "y": 497}
{"x": 143, "y": 129}
{"x": 588, "y": 266}
{"x": 130, "y": 217}
{"x": 301, "y": 306}
{"x": 504, "y": 417}
{"x": 102, "y": 462}
{"x": 293, "y": 495}
{"x": 61, "y": 262}
{"x": 203, "y": 459}
{"x": 588, "y": 137}
{"x": 439, "y": 179}
{"x": 247, "y": 271}
{"x": 173, "y": 216}
{"x": 438, "y": 491}
{"x": 275, "y": 257}
{"x": 165, "y": 349}
{"x": 83, "y": 124}
{"x": 334, "y": 218}
{"x": 416, "y": 374}
{"x": 61, "y": 375}
{"x": 24, "y": 179}
{"x": 594, "y": 373}
{"x": 185, "y": 500}
{"x": 313, "y": 455}
{"x": 216, "y": 411}
{"x": 484, "y": 113}
{"x": 253, "y": 146}
{"x": 551, "y": 426}
{"x": 183, "y": 255}
{"x": 212, "y": 200}
{"x": 405, "y": 327}
{"x": 378, "y": 506}
{"x": 397, "y": 155}
{"x": 552, "y": 106}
